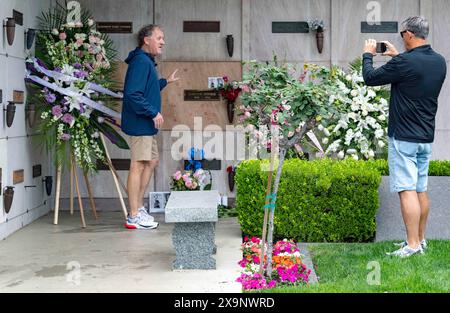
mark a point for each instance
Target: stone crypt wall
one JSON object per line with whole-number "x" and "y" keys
{"x": 199, "y": 55}
{"x": 18, "y": 152}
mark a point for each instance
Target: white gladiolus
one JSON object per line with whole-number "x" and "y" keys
{"x": 320, "y": 127}
{"x": 371, "y": 154}
{"x": 326, "y": 132}
{"x": 355, "y": 156}
{"x": 354, "y": 93}
{"x": 341, "y": 155}
{"x": 351, "y": 151}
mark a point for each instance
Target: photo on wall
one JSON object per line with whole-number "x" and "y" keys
{"x": 158, "y": 201}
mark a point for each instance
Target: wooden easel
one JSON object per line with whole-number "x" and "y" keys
{"x": 73, "y": 173}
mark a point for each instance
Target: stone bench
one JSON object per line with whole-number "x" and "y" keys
{"x": 194, "y": 214}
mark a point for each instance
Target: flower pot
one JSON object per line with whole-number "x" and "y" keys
{"x": 10, "y": 30}
{"x": 10, "y": 113}
{"x": 8, "y": 197}
{"x": 31, "y": 115}
{"x": 230, "y": 111}
{"x": 319, "y": 41}
{"x": 231, "y": 180}
{"x": 30, "y": 35}
{"x": 48, "y": 184}
{"x": 230, "y": 45}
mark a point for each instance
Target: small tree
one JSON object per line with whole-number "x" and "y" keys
{"x": 286, "y": 108}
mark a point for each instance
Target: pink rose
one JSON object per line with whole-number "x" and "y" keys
{"x": 188, "y": 184}
{"x": 62, "y": 36}
{"x": 177, "y": 175}
{"x": 245, "y": 88}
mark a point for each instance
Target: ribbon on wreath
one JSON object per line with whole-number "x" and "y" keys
{"x": 68, "y": 91}
{"x": 195, "y": 159}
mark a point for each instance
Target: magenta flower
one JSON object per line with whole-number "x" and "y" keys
{"x": 57, "y": 111}
{"x": 65, "y": 137}
{"x": 68, "y": 119}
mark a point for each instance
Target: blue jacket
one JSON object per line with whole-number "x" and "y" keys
{"x": 142, "y": 94}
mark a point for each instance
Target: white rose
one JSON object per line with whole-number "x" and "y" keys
{"x": 381, "y": 144}
{"x": 326, "y": 132}
{"x": 55, "y": 32}
{"x": 90, "y": 22}
{"x": 371, "y": 154}
{"x": 70, "y": 25}
{"x": 382, "y": 118}
{"x": 320, "y": 127}
{"x": 354, "y": 93}
{"x": 341, "y": 155}
{"x": 348, "y": 78}
{"x": 325, "y": 141}
{"x": 355, "y": 157}
{"x": 351, "y": 151}
{"x": 379, "y": 133}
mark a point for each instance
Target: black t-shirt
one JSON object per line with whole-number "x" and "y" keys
{"x": 416, "y": 77}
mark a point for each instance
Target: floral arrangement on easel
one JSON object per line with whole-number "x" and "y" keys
{"x": 69, "y": 77}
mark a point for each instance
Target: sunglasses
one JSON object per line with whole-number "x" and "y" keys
{"x": 403, "y": 32}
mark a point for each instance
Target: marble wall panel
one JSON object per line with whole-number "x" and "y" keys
{"x": 350, "y": 14}
{"x": 441, "y": 145}
{"x": 140, "y": 12}
{"x": 194, "y": 75}
{"x": 17, "y": 49}
{"x": 443, "y": 114}
{"x": 290, "y": 47}
{"x": 3, "y": 87}
{"x": 5, "y": 179}
{"x": 439, "y": 27}
{"x": 199, "y": 46}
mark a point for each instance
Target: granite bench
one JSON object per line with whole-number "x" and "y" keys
{"x": 194, "y": 214}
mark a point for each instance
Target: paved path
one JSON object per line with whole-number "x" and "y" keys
{"x": 106, "y": 257}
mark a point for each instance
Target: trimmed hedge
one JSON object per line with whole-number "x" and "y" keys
{"x": 318, "y": 201}
{"x": 437, "y": 168}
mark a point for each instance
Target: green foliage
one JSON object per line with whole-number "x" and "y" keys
{"x": 227, "y": 211}
{"x": 437, "y": 167}
{"x": 317, "y": 201}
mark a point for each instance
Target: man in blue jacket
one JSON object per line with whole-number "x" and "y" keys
{"x": 416, "y": 77}
{"x": 141, "y": 119}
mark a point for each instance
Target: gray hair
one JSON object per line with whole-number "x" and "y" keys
{"x": 145, "y": 31}
{"x": 417, "y": 25}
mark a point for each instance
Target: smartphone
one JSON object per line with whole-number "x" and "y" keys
{"x": 381, "y": 47}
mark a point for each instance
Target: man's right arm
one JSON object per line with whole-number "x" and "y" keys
{"x": 387, "y": 74}
{"x": 138, "y": 73}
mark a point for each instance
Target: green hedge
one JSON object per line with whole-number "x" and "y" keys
{"x": 437, "y": 168}
{"x": 318, "y": 201}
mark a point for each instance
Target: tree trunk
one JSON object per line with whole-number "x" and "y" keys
{"x": 272, "y": 213}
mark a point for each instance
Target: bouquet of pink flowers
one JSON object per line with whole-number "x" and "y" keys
{"x": 189, "y": 180}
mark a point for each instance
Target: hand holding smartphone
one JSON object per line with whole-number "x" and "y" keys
{"x": 381, "y": 47}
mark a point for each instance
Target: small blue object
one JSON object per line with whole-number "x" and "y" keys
{"x": 195, "y": 159}
{"x": 271, "y": 205}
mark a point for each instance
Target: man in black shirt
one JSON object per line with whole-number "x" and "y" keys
{"x": 416, "y": 77}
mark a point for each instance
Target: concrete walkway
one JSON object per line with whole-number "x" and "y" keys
{"x": 106, "y": 257}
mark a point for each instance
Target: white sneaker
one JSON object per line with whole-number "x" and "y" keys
{"x": 143, "y": 211}
{"x": 140, "y": 221}
{"x": 402, "y": 244}
{"x": 406, "y": 251}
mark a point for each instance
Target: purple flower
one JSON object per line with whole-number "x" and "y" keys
{"x": 57, "y": 111}
{"x": 80, "y": 74}
{"x": 67, "y": 118}
{"x": 77, "y": 66}
{"x": 65, "y": 137}
{"x": 42, "y": 64}
{"x": 57, "y": 69}
{"x": 50, "y": 97}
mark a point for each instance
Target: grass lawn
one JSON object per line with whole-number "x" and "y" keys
{"x": 343, "y": 268}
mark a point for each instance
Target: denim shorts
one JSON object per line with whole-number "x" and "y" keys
{"x": 408, "y": 165}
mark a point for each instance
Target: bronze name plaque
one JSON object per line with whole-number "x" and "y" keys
{"x": 201, "y": 95}
{"x": 201, "y": 26}
{"x": 37, "y": 170}
{"x": 290, "y": 27}
{"x": 18, "y": 17}
{"x": 115, "y": 27}
{"x": 18, "y": 96}
{"x": 383, "y": 27}
{"x": 18, "y": 177}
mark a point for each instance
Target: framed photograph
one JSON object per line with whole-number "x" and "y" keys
{"x": 157, "y": 201}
